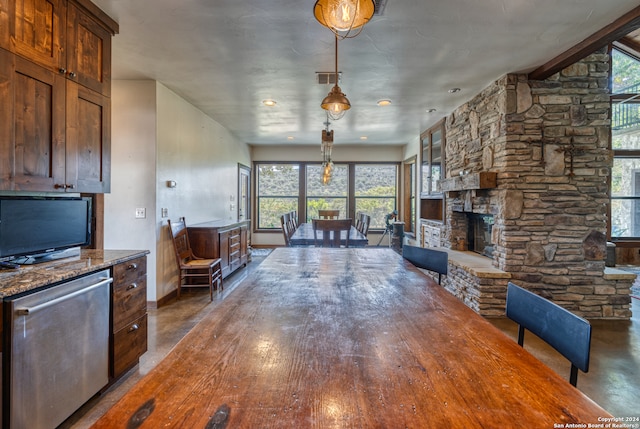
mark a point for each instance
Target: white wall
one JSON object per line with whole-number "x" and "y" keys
{"x": 202, "y": 158}
{"x": 133, "y": 170}
{"x": 158, "y": 136}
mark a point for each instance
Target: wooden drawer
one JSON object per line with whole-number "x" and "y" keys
{"x": 129, "y": 344}
{"x": 130, "y": 271}
{"x": 129, "y": 302}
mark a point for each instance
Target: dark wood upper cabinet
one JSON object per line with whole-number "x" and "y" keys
{"x": 55, "y": 84}
{"x": 37, "y": 31}
{"x": 432, "y": 171}
{"x": 88, "y": 52}
{"x": 432, "y": 145}
{"x": 32, "y": 115}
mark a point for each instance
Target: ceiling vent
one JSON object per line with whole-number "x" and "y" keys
{"x": 379, "y": 9}
{"x": 328, "y": 78}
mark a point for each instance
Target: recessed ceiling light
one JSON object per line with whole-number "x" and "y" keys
{"x": 431, "y": 110}
{"x": 384, "y": 102}
{"x": 453, "y": 90}
{"x": 289, "y": 137}
{"x": 269, "y": 102}
{"x": 363, "y": 137}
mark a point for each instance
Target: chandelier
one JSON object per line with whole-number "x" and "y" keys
{"x": 325, "y": 149}
{"x": 336, "y": 102}
{"x": 344, "y": 16}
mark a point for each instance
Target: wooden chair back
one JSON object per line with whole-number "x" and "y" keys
{"x": 181, "y": 243}
{"x": 365, "y": 221}
{"x": 331, "y": 230}
{"x": 285, "y": 223}
{"x": 566, "y": 332}
{"x": 294, "y": 219}
{"x": 428, "y": 259}
{"x": 328, "y": 214}
{"x": 192, "y": 268}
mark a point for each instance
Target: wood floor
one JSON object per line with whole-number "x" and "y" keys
{"x": 612, "y": 381}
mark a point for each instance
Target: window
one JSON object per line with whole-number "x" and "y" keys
{"x": 375, "y": 191}
{"x": 625, "y": 142}
{"x": 368, "y": 188}
{"x": 332, "y": 196}
{"x": 277, "y": 192}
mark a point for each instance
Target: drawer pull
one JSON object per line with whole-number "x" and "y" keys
{"x": 134, "y": 327}
{"x": 132, "y": 266}
{"x": 132, "y": 286}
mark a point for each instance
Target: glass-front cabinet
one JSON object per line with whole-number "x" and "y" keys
{"x": 432, "y": 146}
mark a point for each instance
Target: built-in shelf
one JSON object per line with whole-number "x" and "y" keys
{"x": 467, "y": 182}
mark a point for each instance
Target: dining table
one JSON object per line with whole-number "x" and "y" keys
{"x": 304, "y": 236}
{"x": 348, "y": 338}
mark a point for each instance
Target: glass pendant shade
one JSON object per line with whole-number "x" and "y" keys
{"x": 336, "y": 103}
{"x": 343, "y": 16}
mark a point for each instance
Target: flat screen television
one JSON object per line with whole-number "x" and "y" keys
{"x": 36, "y": 229}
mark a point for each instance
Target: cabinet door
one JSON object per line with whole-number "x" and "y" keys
{"x": 88, "y": 52}
{"x": 37, "y": 31}
{"x": 33, "y": 109}
{"x": 243, "y": 244}
{"x": 4, "y": 24}
{"x": 88, "y": 140}
{"x": 224, "y": 252}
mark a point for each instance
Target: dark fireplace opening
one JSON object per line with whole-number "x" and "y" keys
{"x": 479, "y": 234}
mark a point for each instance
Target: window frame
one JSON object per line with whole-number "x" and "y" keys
{"x": 302, "y": 196}
{"x": 620, "y": 153}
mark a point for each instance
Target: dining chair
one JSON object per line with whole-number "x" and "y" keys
{"x": 428, "y": 259}
{"x": 566, "y": 332}
{"x": 285, "y": 223}
{"x": 191, "y": 266}
{"x": 331, "y": 230}
{"x": 365, "y": 221}
{"x": 294, "y": 219}
{"x": 328, "y": 214}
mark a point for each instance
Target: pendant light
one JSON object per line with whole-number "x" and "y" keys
{"x": 325, "y": 148}
{"x": 336, "y": 102}
{"x": 342, "y": 17}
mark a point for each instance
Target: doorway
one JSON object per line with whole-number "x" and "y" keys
{"x": 244, "y": 193}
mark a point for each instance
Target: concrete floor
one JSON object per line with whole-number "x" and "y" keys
{"x": 613, "y": 380}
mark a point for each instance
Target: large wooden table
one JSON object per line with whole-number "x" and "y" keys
{"x": 347, "y": 338}
{"x": 303, "y": 236}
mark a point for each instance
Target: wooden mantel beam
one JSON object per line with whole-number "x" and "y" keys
{"x": 612, "y": 32}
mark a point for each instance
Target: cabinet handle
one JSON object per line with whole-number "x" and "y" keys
{"x": 132, "y": 266}
{"x": 62, "y": 70}
{"x": 72, "y": 74}
{"x": 59, "y": 186}
{"x": 134, "y": 327}
{"x": 71, "y": 186}
{"x": 132, "y": 286}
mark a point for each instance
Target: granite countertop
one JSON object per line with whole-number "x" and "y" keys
{"x": 30, "y": 277}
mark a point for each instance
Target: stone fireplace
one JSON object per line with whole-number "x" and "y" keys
{"x": 534, "y": 158}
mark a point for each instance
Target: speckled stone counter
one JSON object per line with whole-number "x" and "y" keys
{"x": 31, "y": 277}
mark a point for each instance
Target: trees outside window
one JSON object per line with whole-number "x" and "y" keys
{"x": 625, "y": 142}
{"x": 368, "y": 188}
{"x": 277, "y": 193}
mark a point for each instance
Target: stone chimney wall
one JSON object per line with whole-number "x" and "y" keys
{"x": 549, "y": 143}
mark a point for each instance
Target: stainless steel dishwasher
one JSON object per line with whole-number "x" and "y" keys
{"x": 59, "y": 352}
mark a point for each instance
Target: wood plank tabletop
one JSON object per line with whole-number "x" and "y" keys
{"x": 303, "y": 236}
{"x": 347, "y": 338}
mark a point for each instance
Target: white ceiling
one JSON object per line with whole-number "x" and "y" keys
{"x": 226, "y": 56}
